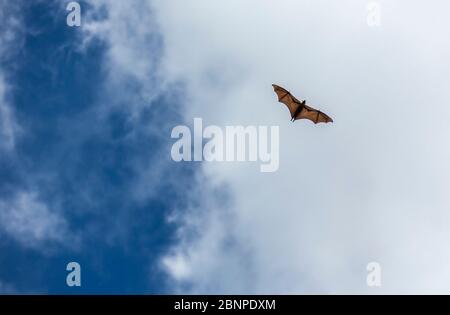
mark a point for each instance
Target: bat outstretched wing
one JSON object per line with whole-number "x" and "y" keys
{"x": 285, "y": 97}
{"x": 316, "y": 116}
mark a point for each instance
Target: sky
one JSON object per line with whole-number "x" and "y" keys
{"x": 86, "y": 115}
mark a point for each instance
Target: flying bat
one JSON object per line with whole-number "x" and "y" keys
{"x": 299, "y": 110}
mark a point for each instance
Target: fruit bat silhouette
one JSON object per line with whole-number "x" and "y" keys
{"x": 299, "y": 110}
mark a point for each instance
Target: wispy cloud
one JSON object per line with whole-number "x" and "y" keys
{"x": 357, "y": 191}
{"x": 133, "y": 47}
{"x": 8, "y": 125}
{"x": 10, "y": 40}
{"x": 30, "y": 222}
{"x": 135, "y": 85}
{"x": 93, "y": 161}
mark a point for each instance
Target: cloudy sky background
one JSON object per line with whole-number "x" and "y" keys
{"x": 85, "y": 167}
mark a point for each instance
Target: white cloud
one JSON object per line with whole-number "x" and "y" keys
{"x": 10, "y": 40}
{"x": 371, "y": 187}
{"x": 23, "y": 216}
{"x": 179, "y": 267}
{"x": 30, "y": 222}
{"x": 130, "y": 34}
{"x": 8, "y": 126}
{"x": 134, "y": 81}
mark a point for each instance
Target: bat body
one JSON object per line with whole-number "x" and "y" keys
{"x": 299, "y": 109}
